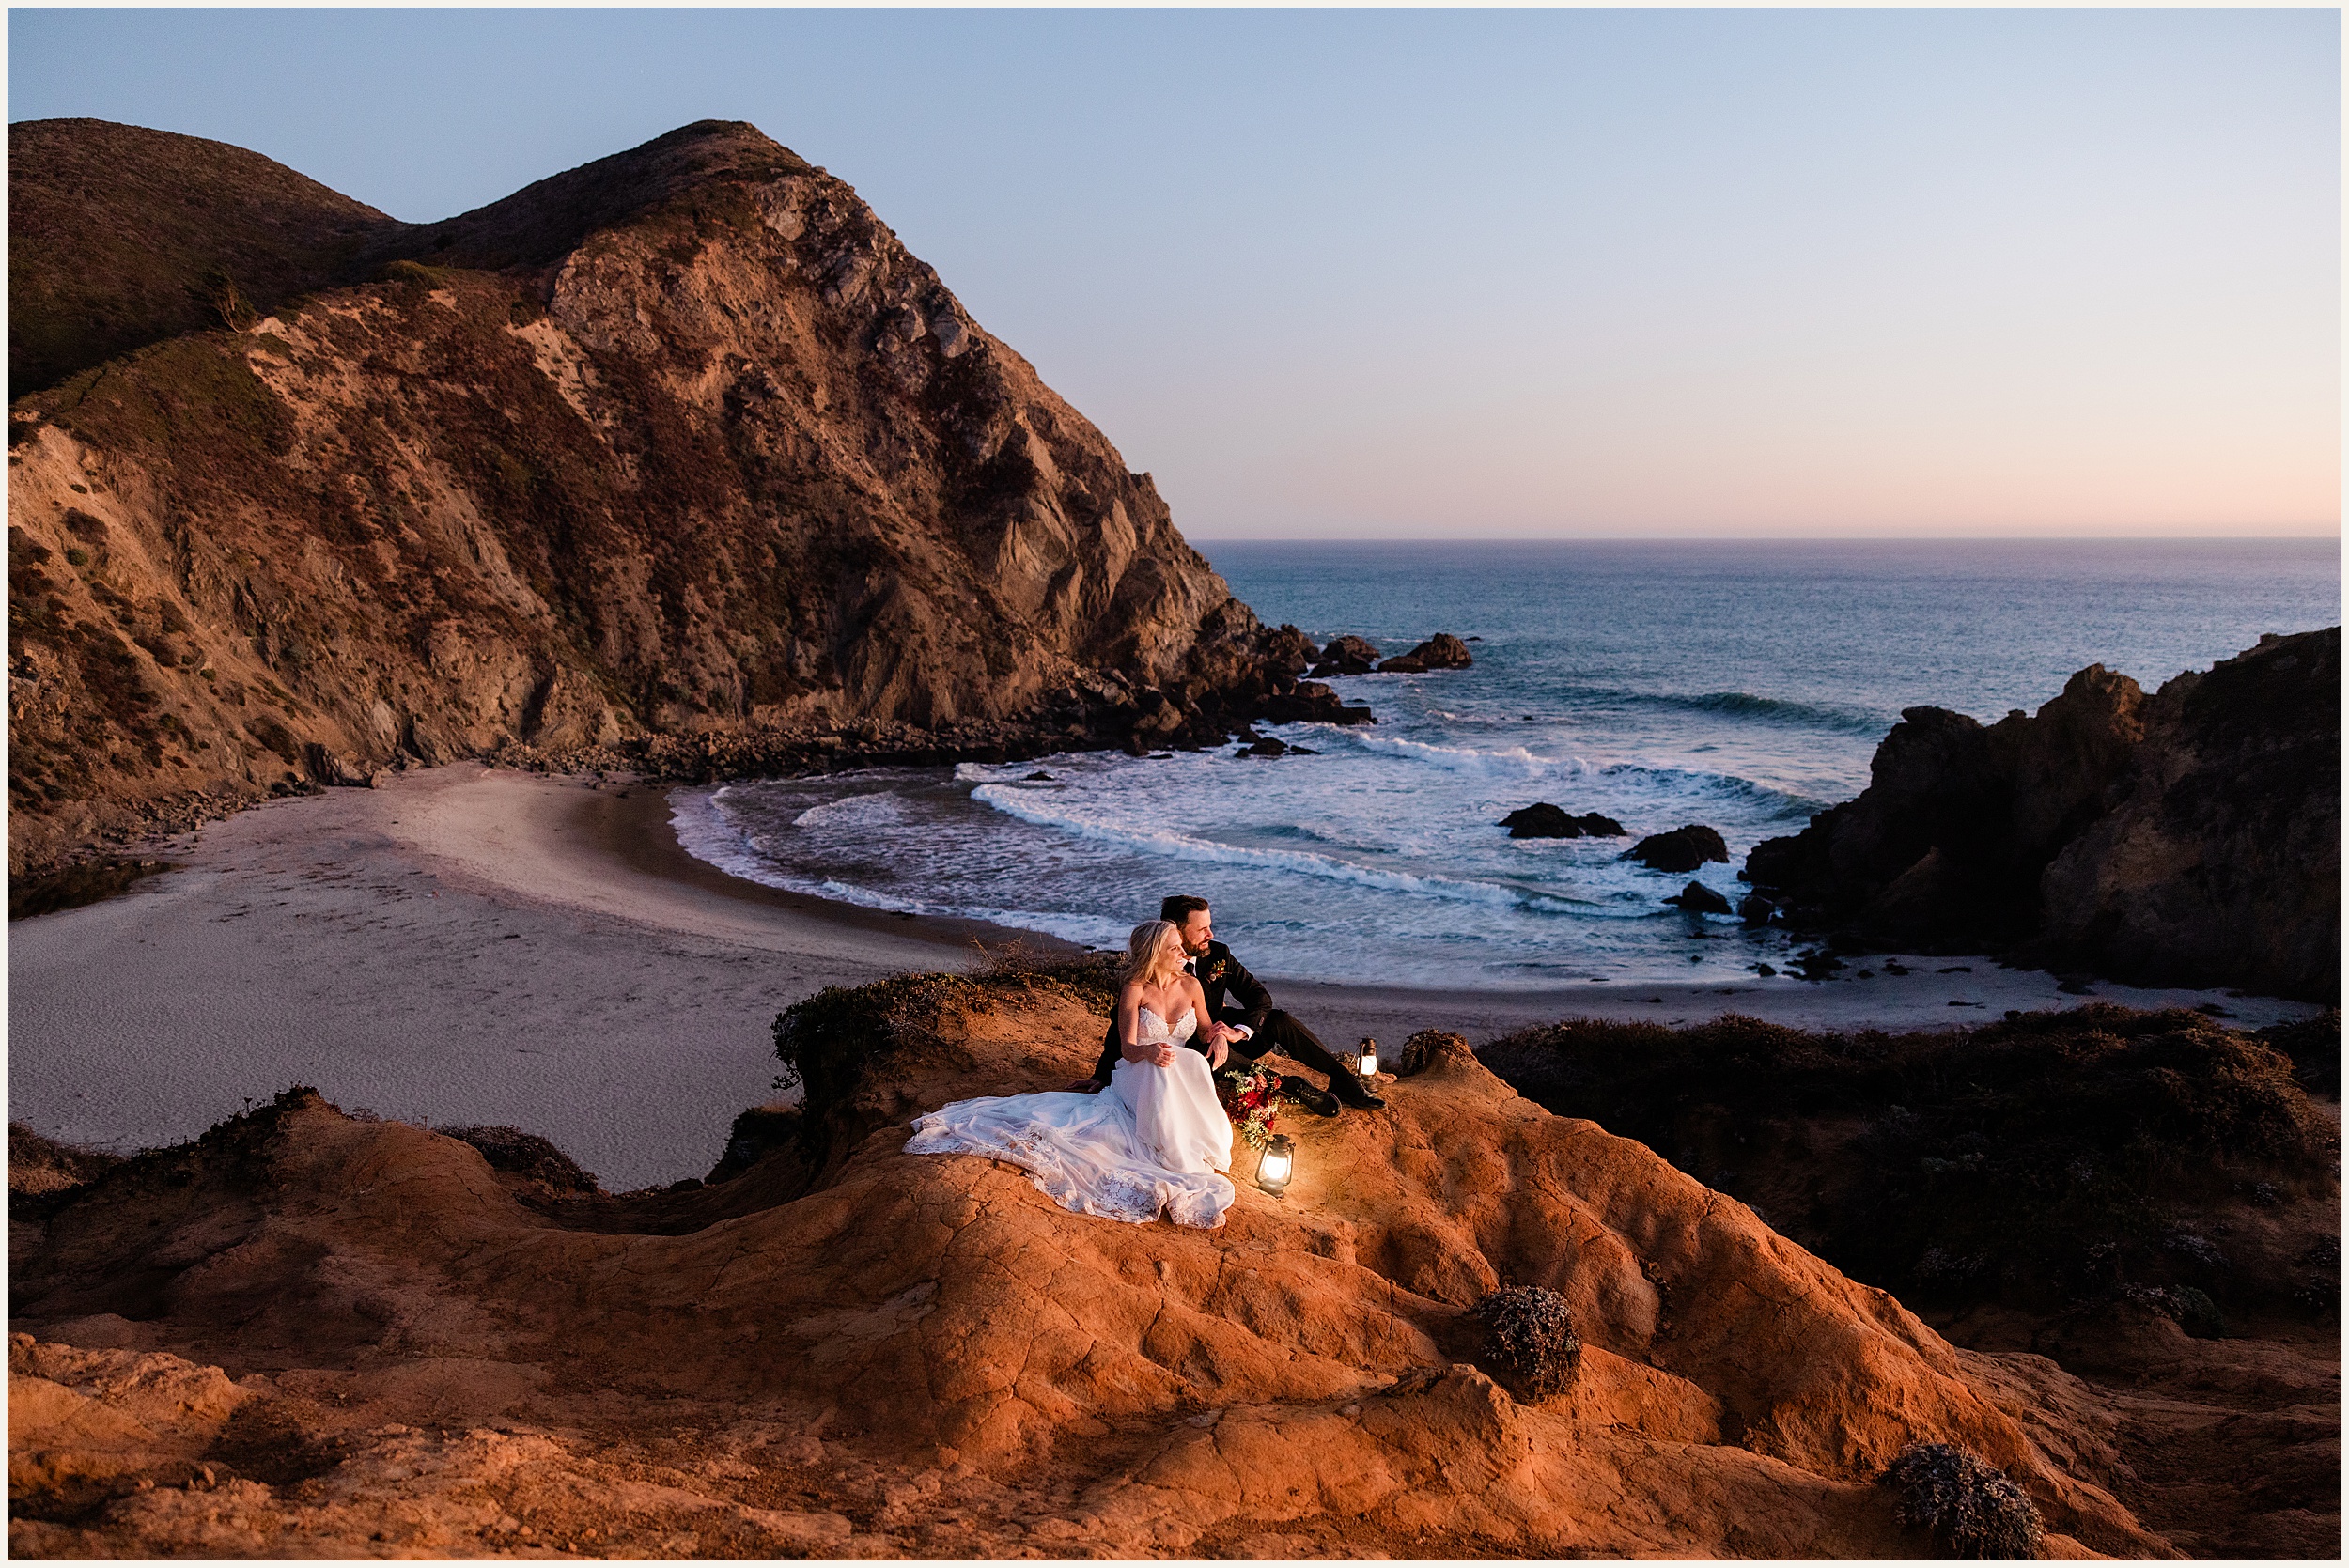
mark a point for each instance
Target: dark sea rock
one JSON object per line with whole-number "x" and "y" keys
{"x": 1682, "y": 849}
{"x": 1698, "y": 899}
{"x": 1349, "y": 655}
{"x": 1443, "y": 651}
{"x": 1544, "y": 820}
{"x": 2187, "y": 838}
{"x": 1288, "y": 648}
{"x": 1268, "y": 747}
{"x": 1305, "y": 702}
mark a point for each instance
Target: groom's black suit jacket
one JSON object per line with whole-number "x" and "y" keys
{"x": 1234, "y": 997}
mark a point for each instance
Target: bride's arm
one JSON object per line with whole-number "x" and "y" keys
{"x": 1217, "y": 1035}
{"x": 1129, "y": 1029}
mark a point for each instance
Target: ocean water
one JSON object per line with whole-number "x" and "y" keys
{"x": 1744, "y": 686}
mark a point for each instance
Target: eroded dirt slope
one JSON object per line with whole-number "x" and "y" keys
{"x": 847, "y": 1350}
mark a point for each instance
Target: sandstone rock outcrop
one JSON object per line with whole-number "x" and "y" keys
{"x": 682, "y": 444}
{"x": 2191, "y": 837}
{"x": 846, "y": 1350}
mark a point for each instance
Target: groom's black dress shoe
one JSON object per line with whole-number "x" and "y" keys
{"x": 1317, "y": 1101}
{"x": 1350, "y": 1091}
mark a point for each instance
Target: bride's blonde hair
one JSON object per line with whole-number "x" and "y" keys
{"x": 1142, "y": 951}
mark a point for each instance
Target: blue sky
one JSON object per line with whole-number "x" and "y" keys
{"x": 1475, "y": 274}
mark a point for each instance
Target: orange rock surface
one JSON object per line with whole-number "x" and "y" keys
{"x": 314, "y": 1335}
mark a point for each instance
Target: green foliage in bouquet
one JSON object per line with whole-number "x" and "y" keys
{"x": 1249, "y": 1094}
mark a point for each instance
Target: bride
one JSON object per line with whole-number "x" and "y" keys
{"x": 1153, "y": 1142}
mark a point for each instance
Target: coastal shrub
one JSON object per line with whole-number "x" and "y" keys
{"x": 2189, "y": 1308}
{"x": 527, "y": 1156}
{"x": 38, "y": 1164}
{"x": 1020, "y": 964}
{"x": 1970, "y": 1505}
{"x": 227, "y": 301}
{"x": 758, "y": 1132}
{"x": 2314, "y": 1047}
{"x": 1530, "y": 1339}
{"x": 188, "y": 393}
{"x": 1421, "y": 1049}
{"x": 415, "y": 275}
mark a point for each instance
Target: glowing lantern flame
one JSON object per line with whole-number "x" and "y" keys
{"x": 1273, "y": 1170}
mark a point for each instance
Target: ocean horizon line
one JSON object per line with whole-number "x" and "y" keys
{"x": 2334, "y": 539}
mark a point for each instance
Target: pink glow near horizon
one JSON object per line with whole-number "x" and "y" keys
{"x": 1474, "y": 273}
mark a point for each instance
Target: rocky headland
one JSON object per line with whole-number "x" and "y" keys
{"x": 679, "y": 457}
{"x": 2149, "y": 1200}
{"x": 2191, "y": 836}
{"x": 314, "y": 1333}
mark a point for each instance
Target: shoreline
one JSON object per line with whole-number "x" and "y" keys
{"x": 357, "y": 940}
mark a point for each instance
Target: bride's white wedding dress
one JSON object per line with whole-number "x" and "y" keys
{"x": 1150, "y": 1143}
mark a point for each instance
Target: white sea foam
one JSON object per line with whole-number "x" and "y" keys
{"x": 1514, "y": 761}
{"x": 705, "y": 832}
{"x": 1161, "y": 841}
{"x": 883, "y": 808}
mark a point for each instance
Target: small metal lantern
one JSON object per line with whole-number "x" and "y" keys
{"x": 1276, "y": 1164}
{"x": 1366, "y": 1062}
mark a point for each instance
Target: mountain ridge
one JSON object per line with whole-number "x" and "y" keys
{"x": 691, "y": 449}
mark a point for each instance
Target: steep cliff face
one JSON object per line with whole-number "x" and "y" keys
{"x": 683, "y": 441}
{"x": 2191, "y": 837}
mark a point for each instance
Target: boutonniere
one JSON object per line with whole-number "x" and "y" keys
{"x": 1215, "y": 971}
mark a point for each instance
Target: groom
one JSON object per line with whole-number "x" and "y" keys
{"x": 1237, "y": 1000}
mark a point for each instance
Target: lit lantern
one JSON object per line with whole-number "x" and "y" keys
{"x": 1278, "y": 1160}
{"x": 1368, "y": 1065}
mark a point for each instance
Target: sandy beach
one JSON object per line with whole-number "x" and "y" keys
{"x": 477, "y": 945}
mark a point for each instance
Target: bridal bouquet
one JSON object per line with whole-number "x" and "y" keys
{"x": 1247, "y": 1091}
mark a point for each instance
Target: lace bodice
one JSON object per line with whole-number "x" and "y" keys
{"x": 1152, "y": 1029}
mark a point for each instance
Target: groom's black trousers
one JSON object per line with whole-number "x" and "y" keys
{"x": 1281, "y": 1034}
{"x": 1278, "y": 1034}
